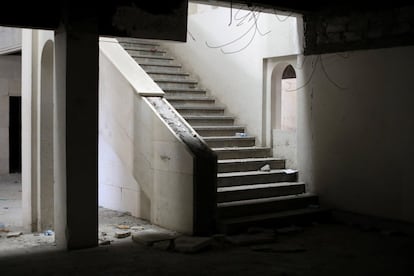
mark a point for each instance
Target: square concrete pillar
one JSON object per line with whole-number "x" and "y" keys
{"x": 76, "y": 137}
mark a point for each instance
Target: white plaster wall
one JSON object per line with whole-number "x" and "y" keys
{"x": 236, "y": 79}
{"x": 10, "y": 79}
{"x": 10, "y": 40}
{"x": 285, "y": 146}
{"x": 143, "y": 167}
{"x": 355, "y": 144}
{"x": 289, "y": 104}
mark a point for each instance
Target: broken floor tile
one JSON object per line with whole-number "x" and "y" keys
{"x": 249, "y": 239}
{"x": 14, "y": 234}
{"x": 122, "y": 234}
{"x": 187, "y": 244}
{"x": 151, "y": 236}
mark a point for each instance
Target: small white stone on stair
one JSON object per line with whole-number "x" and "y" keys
{"x": 290, "y": 171}
{"x": 265, "y": 168}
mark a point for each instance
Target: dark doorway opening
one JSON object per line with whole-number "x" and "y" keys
{"x": 15, "y": 135}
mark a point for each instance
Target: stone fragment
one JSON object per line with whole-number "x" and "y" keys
{"x": 14, "y": 234}
{"x": 187, "y": 244}
{"x": 122, "y": 234}
{"x": 137, "y": 228}
{"x": 265, "y": 168}
{"x": 123, "y": 226}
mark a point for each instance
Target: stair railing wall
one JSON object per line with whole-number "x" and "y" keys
{"x": 173, "y": 172}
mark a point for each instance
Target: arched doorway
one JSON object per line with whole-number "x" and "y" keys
{"x": 283, "y": 112}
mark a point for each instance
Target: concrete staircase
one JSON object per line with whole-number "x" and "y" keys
{"x": 247, "y": 195}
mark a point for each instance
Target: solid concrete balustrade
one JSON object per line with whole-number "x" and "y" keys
{"x": 151, "y": 163}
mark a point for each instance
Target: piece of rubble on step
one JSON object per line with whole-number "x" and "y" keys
{"x": 265, "y": 168}
{"x": 122, "y": 234}
{"x": 14, "y": 234}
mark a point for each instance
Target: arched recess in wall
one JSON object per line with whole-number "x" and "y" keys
{"x": 283, "y": 97}
{"x": 46, "y": 175}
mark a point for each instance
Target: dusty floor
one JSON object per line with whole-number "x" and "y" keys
{"x": 320, "y": 249}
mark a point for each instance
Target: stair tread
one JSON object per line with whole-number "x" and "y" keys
{"x": 263, "y": 200}
{"x": 136, "y": 41}
{"x": 236, "y": 148}
{"x": 245, "y": 160}
{"x": 275, "y": 215}
{"x": 184, "y": 89}
{"x": 202, "y": 107}
{"x": 155, "y": 72}
{"x": 224, "y": 117}
{"x": 159, "y": 64}
{"x": 189, "y": 98}
{"x": 145, "y": 49}
{"x": 217, "y": 127}
{"x": 246, "y": 173}
{"x": 174, "y": 80}
{"x": 258, "y": 186}
{"x": 228, "y": 137}
{"x": 151, "y": 57}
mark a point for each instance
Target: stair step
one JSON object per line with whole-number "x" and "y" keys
{"x": 146, "y": 65}
{"x": 199, "y": 110}
{"x": 136, "y": 51}
{"x": 261, "y": 206}
{"x": 255, "y": 177}
{"x": 230, "y": 141}
{"x": 202, "y": 120}
{"x": 192, "y": 101}
{"x": 207, "y": 131}
{"x": 175, "y": 75}
{"x": 302, "y": 216}
{"x": 239, "y": 153}
{"x": 244, "y": 192}
{"x": 172, "y": 68}
{"x": 172, "y": 80}
{"x": 249, "y": 164}
{"x": 152, "y": 57}
{"x": 185, "y": 98}
{"x": 135, "y": 42}
{"x": 165, "y": 72}
{"x": 152, "y": 60}
{"x": 184, "y": 91}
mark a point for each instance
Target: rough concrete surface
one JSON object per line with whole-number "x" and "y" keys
{"x": 319, "y": 249}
